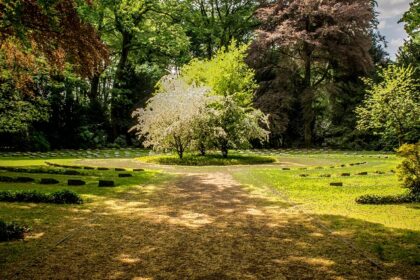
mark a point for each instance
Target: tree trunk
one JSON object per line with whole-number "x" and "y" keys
{"x": 94, "y": 88}
{"x": 119, "y": 75}
{"x": 224, "y": 151}
{"x": 307, "y": 98}
{"x": 202, "y": 149}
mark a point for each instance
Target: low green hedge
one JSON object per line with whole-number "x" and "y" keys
{"x": 389, "y": 199}
{"x": 60, "y": 197}
{"x": 11, "y": 231}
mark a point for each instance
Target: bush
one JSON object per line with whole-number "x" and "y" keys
{"x": 75, "y": 182}
{"x": 65, "y": 197}
{"x": 60, "y": 197}
{"x": 390, "y": 199}
{"x": 105, "y": 183}
{"x": 11, "y": 231}
{"x": 48, "y": 181}
{"x": 409, "y": 169}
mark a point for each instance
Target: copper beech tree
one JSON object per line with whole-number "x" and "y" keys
{"x": 317, "y": 35}
{"x": 43, "y": 34}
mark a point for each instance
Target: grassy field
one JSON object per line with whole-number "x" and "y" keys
{"x": 296, "y": 182}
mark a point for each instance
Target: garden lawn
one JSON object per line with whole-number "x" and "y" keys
{"x": 217, "y": 222}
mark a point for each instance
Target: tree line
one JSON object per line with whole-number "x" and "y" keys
{"x": 73, "y": 71}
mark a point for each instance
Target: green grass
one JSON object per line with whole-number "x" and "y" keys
{"x": 207, "y": 160}
{"x": 389, "y": 231}
{"x": 49, "y": 221}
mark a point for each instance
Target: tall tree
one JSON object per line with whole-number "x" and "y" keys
{"x": 317, "y": 36}
{"x": 212, "y": 24}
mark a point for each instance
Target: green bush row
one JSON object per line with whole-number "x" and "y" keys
{"x": 389, "y": 199}
{"x": 41, "y": 170}
{"x": 60, "y": 197}
{"x": 11, "y": 231}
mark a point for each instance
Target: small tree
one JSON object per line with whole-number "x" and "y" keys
{"x": 391, "y": 107}
{"x": 232, "y": 121}
{"x": 168, "y": 120}
{"x": 233, "y": 125}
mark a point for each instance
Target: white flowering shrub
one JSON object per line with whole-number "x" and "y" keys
{"x": 168, "y": 120}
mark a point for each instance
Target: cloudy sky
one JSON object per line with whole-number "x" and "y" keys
{"x": 390, "y": 12}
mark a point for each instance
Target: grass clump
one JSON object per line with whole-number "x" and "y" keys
{"x": 210, "y": 159}
{"x": 11, "y": 231}
{"x": 60, "y": 197}
{"x": 389, "y": 199}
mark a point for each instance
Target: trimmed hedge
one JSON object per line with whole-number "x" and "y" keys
{"x": 11, "y": 231}
{"x": 105, "y": 183}
{"x": 125, "y": 175}
{"x": 336, "y": 184}
{"x": 389, "y": 199}
{"x": 138, "y": 169}
{"x": 42, "y": 171}
{"x": 7, "y": 179}
{"x": 75, "y": 182}
{"x": 48, "y": 181}
{"x": 60, "y": 197}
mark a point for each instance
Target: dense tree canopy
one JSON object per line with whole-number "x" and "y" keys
{"x": 72, "y": 72}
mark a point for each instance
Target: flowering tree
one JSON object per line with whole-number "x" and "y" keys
{"x": 232, "y": 120}
{"x": 169, "y": 118}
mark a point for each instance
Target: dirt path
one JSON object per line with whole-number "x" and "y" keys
{"x": 202, "y": 226}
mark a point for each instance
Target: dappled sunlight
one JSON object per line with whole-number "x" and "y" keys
{"x": 35, "y": 235}
{"x": 205, "y": 226}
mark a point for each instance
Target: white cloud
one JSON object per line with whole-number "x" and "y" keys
{"x": 392, "y": 8}
{"x": 382, "y": 24}
{"x": 390, "y": 12}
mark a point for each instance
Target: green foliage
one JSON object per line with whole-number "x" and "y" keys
{"x": 412, "y": 21}
{"x": 226, "y": 74}
{"x": 391, "y": 107}
{"x": 232, "y": 120}
{"x": 11, "y": 231}
{"x": 409, "y": 169}
{"x": 210, "y": 159}
{"x": 60, "y": 197}
{"x": 390, "y": 199}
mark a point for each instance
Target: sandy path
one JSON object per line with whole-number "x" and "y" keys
{"x": 202, "y": 226}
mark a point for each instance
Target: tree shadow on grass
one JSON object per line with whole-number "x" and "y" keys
{"x": 208, "y": 227}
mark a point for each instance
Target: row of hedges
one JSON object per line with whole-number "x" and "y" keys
{"x": 389, "y": 199}
{"x": 41, "y": 171}
{"x": 60, "y": 197}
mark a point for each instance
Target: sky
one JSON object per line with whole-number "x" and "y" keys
{"x": 390, "y": 12}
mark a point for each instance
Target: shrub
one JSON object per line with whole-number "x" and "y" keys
{"x": 345, "y": 174}
{"x": 60, "y": 197}
{"x": 125, "y": 175}
{"x": 409, "y": 169}
{"x": 71, "y": 172}
{"x": 138, "y": 169}
{"x": 24, "y": 180}
{"x": 65, "y": 197}
{"x": 338, "y": 184}
{"x": 362, "y": 173}
{"x": 11, "y": 231}
{"x": 74, "y": 182}
{"x": 390, "y": 199}
{"x": 48, "y": 181}
{"x": 103, "y": 168}
{"x": 6, "y": 179}
{"x": 119, "y": 169}
{"x": 105, "y": 183}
